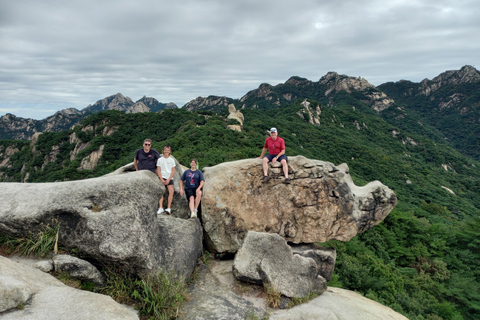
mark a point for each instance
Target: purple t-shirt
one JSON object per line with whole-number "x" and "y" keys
{"x": 192, "y": 178}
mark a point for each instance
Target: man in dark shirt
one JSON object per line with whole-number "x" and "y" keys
{"x": 146, "y": 158}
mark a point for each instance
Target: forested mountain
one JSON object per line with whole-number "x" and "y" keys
{"x": 13, "y": 127}
{"x": 418, "y": 139}
{"x": 449, "y": 102}
{"x": 422, "y": 261}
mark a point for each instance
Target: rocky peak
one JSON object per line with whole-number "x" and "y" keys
{"x": 337, "y": 83}
{"x": 154, "y": 105}
{"x": 115, "y": 102}
{"x": 298, "y": 81}
{"x": 467, "y": 74}
{"x": 210, "y": 102}
{"x": 262, "y": 92}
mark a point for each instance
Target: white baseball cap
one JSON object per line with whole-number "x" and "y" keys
{"x": 273, "y": 129}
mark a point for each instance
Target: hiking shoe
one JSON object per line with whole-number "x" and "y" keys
{"x": 287, "y": 181}
{"x": 168, "y": 211}
{"x": 265, "y": 179}
{"x": 194, "y": 215}
{"x": 160, "y": 211}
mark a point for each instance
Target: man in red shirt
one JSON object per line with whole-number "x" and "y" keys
{"x": 276, "y": 152}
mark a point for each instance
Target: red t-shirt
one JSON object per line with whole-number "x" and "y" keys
{"x": 274, "y": 146}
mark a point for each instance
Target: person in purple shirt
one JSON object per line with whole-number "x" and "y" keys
{"x": 146, "y": 158}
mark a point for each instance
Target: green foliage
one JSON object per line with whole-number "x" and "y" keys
{"x": 40, "y": 243}
{"x": 422, "y": 260}
{"x": 157, "y": 296}
{"x": 160, "y": 295}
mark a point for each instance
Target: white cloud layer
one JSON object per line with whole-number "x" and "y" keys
{"x": 61, "y": 54}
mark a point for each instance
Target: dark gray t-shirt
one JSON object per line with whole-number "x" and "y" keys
{"x": 147, "y": 161}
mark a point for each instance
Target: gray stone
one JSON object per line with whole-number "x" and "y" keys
{"x": 78, "y": 269}
{"x": 268, "y": 258}
{"x": 320, "y": 204}
{"x": 212, "y": 301}
{"x": 323, "y": 257}
{"x": 30, "y": 294}
{"x": 179, "y": 204}
{"x": 110, "y": 219}
{"x": 338, "y": 304}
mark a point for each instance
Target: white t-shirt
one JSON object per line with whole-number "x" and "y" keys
{"x": 166, "y": 165}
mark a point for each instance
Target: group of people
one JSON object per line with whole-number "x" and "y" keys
{"x": 164, "y": 167}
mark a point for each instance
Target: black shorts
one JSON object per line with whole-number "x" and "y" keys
{"x": 271, "y": 156}
{"x": 170, "y": 183}
{"x": 191, "y": 193}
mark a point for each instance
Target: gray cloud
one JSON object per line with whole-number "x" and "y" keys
{"x": 60, "y": 54}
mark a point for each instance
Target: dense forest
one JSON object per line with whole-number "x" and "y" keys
{"x": 423, "y": 260}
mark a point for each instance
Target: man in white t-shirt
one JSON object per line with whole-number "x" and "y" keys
{"x": 165, "y": 171}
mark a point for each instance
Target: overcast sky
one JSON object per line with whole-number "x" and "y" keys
{"x": 62, "y": 54}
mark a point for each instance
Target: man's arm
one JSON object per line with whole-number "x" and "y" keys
{"x": 264, "y": 150}
{"x": 135, "y": 163}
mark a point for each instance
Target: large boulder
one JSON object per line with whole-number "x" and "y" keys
{"x": 267, "y": 258}
{"x": 320, "y": 204}
{"x": 338, "y": 304}
{"x": 212, "y": 301}
{"x": 179, "y": 204}
{"x": 110, "y": 219}
{"x": 27, "y": 293}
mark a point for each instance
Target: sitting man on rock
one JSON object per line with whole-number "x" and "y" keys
{"x": 146, "y": 158}
{"x": 276, "y": 152}
{"x": 194, "y": 182}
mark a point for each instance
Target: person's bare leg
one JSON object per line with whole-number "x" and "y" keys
{"x": 191, "y": 203}
{"x": 170, "y": 196}
{"x": 198, "y": 199}
{"x": 285, "y": 168}
{"x": 265, "y": 166}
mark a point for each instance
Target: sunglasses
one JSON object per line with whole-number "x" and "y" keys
{"x": 147, "y": 144}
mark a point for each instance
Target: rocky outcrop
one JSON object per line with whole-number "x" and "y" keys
{"x": 216, "y": 294}
{"x": 213, "y": 103}
{"x": 267, "y": 258}
{"x": 311, "y": 113}
{"x": 467, "y": 74}
{"x": 372, "y": 96}
{"x": 235, "y": 115}
{"x": 338, "y": 304}
{"x": 179, "y": 204}
{"x": 324, "y": 257}
{"x": 27, "y": 293}
{"x": 154, "y": 105}
{"x": 78, "y": 269}
{"x": 211, "y": 300}
{"x": 110, "y": 219}
{"x": 320, "y": 204}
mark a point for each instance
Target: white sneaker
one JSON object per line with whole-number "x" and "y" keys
{"x": 168, "y": 210}
{"x": 160, "y": 211}
{"x": 194, "y": 215}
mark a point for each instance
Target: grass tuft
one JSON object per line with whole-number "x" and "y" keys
{"x": 272, "y": 296}
{"x": 40, "y": 244}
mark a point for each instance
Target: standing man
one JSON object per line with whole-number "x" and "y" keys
{"x": 276, "y": 152}
{"x": 194, "y": 182}
{"x": 165, "y": 172}
{"x": 146, "y": 158}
